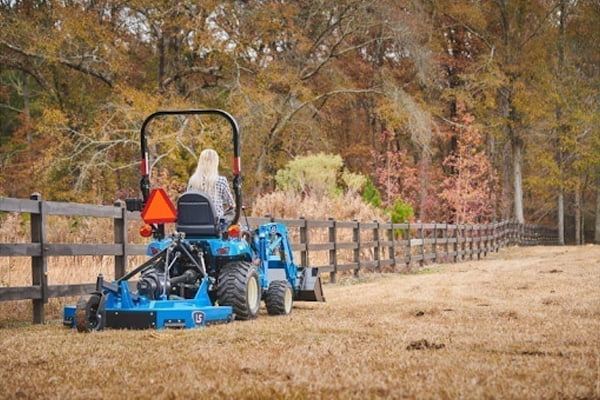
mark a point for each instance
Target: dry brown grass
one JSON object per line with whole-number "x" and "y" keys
{"x": 344, "y": 207}
{"x": 523, "y": 324}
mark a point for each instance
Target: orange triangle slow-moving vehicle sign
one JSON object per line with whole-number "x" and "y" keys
{"x": 159, "y": 209}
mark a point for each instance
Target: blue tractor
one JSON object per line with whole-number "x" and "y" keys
{"x": 207, "y": 271}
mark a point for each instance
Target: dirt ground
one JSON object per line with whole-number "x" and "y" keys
{"x": 522, "y": 324}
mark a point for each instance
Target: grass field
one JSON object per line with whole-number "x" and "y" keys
{"x": 522, "y": 324}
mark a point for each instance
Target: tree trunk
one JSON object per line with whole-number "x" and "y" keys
{"x": 558, "y": 116}
{"x": 577, "y": 216}
{"x": 561, "y": 217}
{"x": 506, "y": 167}
{"x": 517, "y": 149}
{"x": 26, "y": 107}
{"x": 424, "y": 185}
{"x": 161, "y": 61}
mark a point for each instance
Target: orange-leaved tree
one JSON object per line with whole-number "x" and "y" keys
{"x": 469, "y": 189}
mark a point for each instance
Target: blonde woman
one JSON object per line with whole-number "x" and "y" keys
{"x": 206, "y": 179}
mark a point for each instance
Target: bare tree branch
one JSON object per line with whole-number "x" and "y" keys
{"x": 105, "y": 78}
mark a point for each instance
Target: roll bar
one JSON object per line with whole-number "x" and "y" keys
{"x": 237, "y": 177}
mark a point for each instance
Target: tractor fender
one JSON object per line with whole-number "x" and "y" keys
{"x": 156, "y": 246}
{"x": 230, "y": 248}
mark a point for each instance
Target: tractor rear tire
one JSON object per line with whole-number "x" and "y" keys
{"x": 87, "y": 315}
{"x": 239, "y": 288}
{"x": 279, "y": 298}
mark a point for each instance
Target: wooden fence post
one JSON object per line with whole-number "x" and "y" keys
{"x": 377, "y": 248}
{"x": 408, "y": 251}
{"x": 463, "y": 242}
{"x": 463, "y": 245}
{"x": 486, "y": 239}
{"x": 422, "y": 247}
{"x": 472, "y": 242}
{"x": 304, "y": 257}
{"x": 333, "y": 252}
{"x": 120, "y": 235}
{"x": 515, "y": 233}
{"x": 490, "y": 242}
{"x": 392, "y": 247}
{"x": 445, "y": 238}
{"x": 478, "y": 234}
{"x": 356, "y": 239}
{"x": 522, "y": 234}
{"x": 455, "y": 246}
{"x": 435, "y": 241}
{"x": 39, "y": 264}
{"x": 482, "y": 240}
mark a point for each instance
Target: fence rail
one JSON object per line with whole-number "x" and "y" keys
{"x": 332, "y": 246}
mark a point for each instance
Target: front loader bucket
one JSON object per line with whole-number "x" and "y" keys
{"x": 311, "y": 289}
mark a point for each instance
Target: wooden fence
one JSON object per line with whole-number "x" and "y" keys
{"x": 332, "y": 246}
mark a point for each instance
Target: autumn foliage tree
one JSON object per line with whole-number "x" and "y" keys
{"x": 469, "y": 191}
{"x": 395, "y": 170}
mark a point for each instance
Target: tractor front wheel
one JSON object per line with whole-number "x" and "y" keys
{"x": 279, "y": 298}
{"x": 239, "y": 288}
{"x": 88, "y": 316}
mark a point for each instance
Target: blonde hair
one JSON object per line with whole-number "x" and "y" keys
{"x": 205, "y": 177}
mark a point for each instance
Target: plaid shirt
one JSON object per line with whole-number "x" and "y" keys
{"x": 224, "y": 197}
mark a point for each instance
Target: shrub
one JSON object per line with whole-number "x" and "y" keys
{"x": 400, "y": 212}
{"x": 310, "y": 175}
{"x": 370, "y": 194}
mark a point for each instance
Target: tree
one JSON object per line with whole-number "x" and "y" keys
{"x": 469, "y": 189}
{"x": 395, "y": 171}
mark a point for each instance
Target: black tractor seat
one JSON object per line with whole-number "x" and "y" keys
{"x": 196, "y": 216}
